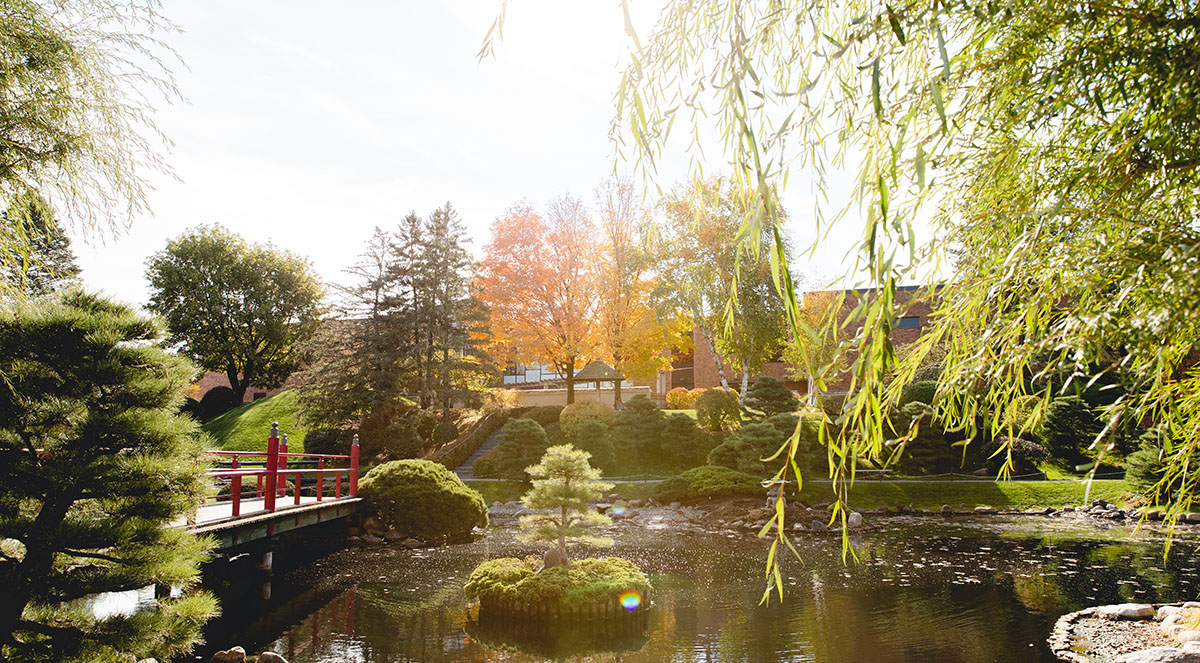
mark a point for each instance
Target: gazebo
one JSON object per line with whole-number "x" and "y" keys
{"x": 600, "y": 372}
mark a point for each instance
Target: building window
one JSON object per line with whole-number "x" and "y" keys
{"x": 908, "y": 322}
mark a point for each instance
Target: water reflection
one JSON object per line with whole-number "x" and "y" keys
{"x": 964, "y": 594}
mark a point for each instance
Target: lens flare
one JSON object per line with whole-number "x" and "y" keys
{"x": 631, "y": 600}
{"x": 618, "y": 507}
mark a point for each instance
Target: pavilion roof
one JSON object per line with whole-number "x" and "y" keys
{"x": 598, "y": 371}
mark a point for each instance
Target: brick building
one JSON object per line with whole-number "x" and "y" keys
{"x": 699, "y": 368}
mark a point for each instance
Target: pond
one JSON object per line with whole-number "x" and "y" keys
{"x": 922, "y": 590}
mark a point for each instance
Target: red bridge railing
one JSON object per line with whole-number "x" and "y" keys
{"x": 273, "y": 478}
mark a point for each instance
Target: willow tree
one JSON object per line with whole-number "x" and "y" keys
{"x": 1050, "y": 150}
{"x": 78, "y": 81}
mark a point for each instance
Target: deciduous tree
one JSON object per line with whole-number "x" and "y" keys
{"x": 235, "y": 308}
{"x": 537, "y": 278}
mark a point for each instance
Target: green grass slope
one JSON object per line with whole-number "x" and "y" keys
{"x": 245, "y": 428}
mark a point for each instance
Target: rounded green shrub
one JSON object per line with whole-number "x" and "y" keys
{"x": 517, "y": 582}
{"x": 707, "y": 482}
{"x": 593, "y": 438}
{"x": 1019, "y": 412}
{"x": 920, "y": 392}
{"x": 424, "y": 421}
{"x": 1068, "y": 428}
{"x": 679, "y": 399}
{"x": 681, "y": 441}
{"x": 327, "y": 441}
{"x": 573, "y": 416}
{"x": 637, "y": 435}
{"x": 192, "y": 408}
{"x": 423, "y": 499}
{"x": 522, "y": 443}
{"x": 718, "y": 409}
{"x": 771, "y": 397}
{"x": 445, "y": 433}
{"x": 543, "y": 414}
{"x": 1026, "y": 454}
{"x": 217, "y": 401}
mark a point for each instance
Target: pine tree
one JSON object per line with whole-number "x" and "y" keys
{"x": 94, "y": 465}
{"x": 564, "y": 485}
{"x": 50, "y": 263}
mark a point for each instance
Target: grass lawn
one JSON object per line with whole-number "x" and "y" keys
{"x": 690, "y": 413}
{"x": 245, "y": 428}
{"x": 506, "y": 491}
{"x": 1000, "y": 494}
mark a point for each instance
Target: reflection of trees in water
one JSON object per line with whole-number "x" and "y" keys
{"x": 561, "y": 639}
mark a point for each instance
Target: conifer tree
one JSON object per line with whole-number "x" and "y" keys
{"x": 94, "y": 465}
{"x": 50, "y": 263}
{"x": 564, "y": 484}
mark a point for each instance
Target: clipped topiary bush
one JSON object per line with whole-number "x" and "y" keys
{"x": 522, "y": 443}
{"x": 1068, "y": 428}
{"x": 444, "y": 433}
{"x": 573, "y": 416}
{"x": 771, "y": 397}
{"x": 423, "y": 499}
{"x": 516, "y": 585}
{"x": 1026, "y": 454}
{"x": 217, "y": 401}
{"x": 424, "y": 421}
{"x": 695, "y": 394}
{"x": 593, "y": 438}
{"x": 543, "y": 414}
{"x": 682, "y": 443}
{"x": 920, "y": 392}
{"x": 192, "y": 408}
{"x": 327, "y": 441}
{"x": 718, "y": 409}
{"x": 637, "y": 434}
{"x": 707, "y": 482}
{"x": 679, "y": 398}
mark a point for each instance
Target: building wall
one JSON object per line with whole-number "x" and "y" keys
{"x": 582, "y": 393}
{"x": 704, "y": 369}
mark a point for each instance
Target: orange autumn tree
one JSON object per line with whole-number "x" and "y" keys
{"x": 537, "y": 278}
{"x": 630, "y": 331}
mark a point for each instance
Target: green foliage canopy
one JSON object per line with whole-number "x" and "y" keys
{"x": 94, "y": 466}
{"x": 423, "y": 499}
{"x": 236, "y": 308}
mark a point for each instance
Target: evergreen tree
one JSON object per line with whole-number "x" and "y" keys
{"x": 564, "y": 485}
{"x": 94, "y": 465}
{"x": 771, "y": 397}
{"x": 49, "y": 263}
{"x": 638, "y": 432}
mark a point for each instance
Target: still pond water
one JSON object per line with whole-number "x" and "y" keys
{"x": 928, "y": 591}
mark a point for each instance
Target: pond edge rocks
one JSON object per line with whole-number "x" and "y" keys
{"x": 1064, "y": 643}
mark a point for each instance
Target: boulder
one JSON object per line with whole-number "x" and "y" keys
{"x": 1068, "y": 509}
{"x": 1192, "y": 517}
{"x": 797, "y": 526}
{"x": 1191, "y": 604}
{"x": 1154, "y": 514}
{"x": 985, "y": 509}
{"x": 676, "y": 505}
{"x": 1185, "y": 637}
{"x": 1126, "y": 611}
{"x": 612, "y": 497}
{"x": 982, "y": 472}
{"x": 372, "y": 539}
{"x": 1169, "y": 621}
{"x": 1166, "y": 611}
{"x": 552, "y": 558}
{"x": 375, "y": 526}
{"x": 947, "y": 510}
{"x": 1158, "y": 655}
{"x": 1049, "y": 511}
{"x": 854, "y": 520}
{"x": 1192, "y": 647}
{"x": 1115, "y": 515}
{"x": 411, "y": 543}
{"x": 818, "y": 525}
{"x": 393, "y": 536}
{"x": 231, "y": 655}
{"x": 271, "y": 657}
{"x": 636, "y": 504}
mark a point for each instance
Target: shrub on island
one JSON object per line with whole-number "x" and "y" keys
{"x": 588, "y": 586}
{"x": 706, "y": 482}
{"x": 423, "y": 499}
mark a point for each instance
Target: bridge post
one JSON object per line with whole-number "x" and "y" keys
{"x": 235, "y": 490}
{"x": 320, "y": 477}
{"x": 283, "y": 485}
{"x": 271, "y": 468}
{"x": 354, "y": 467}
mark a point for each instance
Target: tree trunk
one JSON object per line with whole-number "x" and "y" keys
{"x": 712, "y": 348}
{"x": 571, "y": 380}
{"x": 562, "y": 538}
{"x": 237, "y": 383}
{"x": 445, "y": 384}
{"x": 745, "y": 384}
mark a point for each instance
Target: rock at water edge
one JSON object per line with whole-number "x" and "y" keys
{"x": 1126, "y": 611}
{"x": 1158, "y": 655}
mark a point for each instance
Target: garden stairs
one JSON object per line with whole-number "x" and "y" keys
{"x": 466, "y": 471}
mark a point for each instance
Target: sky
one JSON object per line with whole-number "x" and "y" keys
{"x": 306, "y": 124}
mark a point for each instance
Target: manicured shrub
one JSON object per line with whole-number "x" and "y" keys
{"x": 396, "y": 440}
{"x": 192, "y": 408}
{"x": 517, "y": 582}
{"x": 1068, "y": 428}
{"x": 832, "y": 404}
{"x": 327, "y": 441}
{"x": 695, "y": 394}
{"x": 543, "y": 414}
{"x": 679, "y": 399}
{"x": 681, "y": 441}
{"x": 744, "y": 450}
{"x": 217, "y": 401}
{"x": 1026, "y": 454}
{"x": 444, "y": 433}
{"x": 718, "y": 409}
{"x": 573, "y": 416}
{"x": 593, "y": 437}
{"x": 771, "y": 397}
{"x": 564, "y": 486}
{"x": 423, "y": 423}
{"x": 919, "y": 392}
{"x": 522, "y": 443}
{"x": 1019, "y": 412}
{"x": 707, "y": 482}
{"x": 637, "y": 434}
{"x": 423, "y": 499}
{"x": 928, "y": 452}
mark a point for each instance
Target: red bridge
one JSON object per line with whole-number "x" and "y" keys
{"x": 261, "y": 494}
